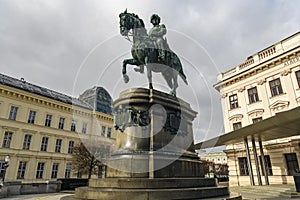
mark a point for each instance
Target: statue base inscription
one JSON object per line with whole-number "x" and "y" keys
{"x": 154, "y": 156}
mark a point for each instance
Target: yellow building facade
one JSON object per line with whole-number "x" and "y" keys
{"x": 39, "y": 128}
{"x": 262, "y": 87}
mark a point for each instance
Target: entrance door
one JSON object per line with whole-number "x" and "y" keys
{"x": 291, "y": 163}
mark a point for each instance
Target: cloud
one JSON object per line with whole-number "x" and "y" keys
{"x": 70, "y": 46}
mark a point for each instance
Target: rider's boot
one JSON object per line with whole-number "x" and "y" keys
{"x": 161, "y": 54}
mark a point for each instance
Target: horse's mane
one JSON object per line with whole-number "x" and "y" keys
{"x": 141, "y": 21}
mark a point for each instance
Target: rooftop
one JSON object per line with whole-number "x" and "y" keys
{"x": 271, "y": 52}
{"x": 45, "y": 92}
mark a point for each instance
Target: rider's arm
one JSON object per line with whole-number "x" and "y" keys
{"x": 159, "y": 31}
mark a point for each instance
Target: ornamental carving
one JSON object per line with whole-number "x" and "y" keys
{"x": 285, "y": 72}
{"x": 125, "y": 117}
{"x": 236, "y": 118}
{"x": 241, "y": 89}
{"x": 223, "y": 96}
{"x": 175, "y": 124}
{"x": 279, "y": 106}
{"x": 261, "y": 82}
{"x": 255, "y": 113}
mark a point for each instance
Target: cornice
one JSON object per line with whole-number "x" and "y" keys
{"x": 260, "y": 68}
{"x": 101, "y": 116}
{"x": 9, "y": 128}
{"x": 32, "y": 99}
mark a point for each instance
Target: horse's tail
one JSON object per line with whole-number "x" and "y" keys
{"x": 182, "y": 75}
{"x": 179, "y": 68}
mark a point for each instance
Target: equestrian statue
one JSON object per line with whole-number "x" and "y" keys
{"x": 150, "y": 50}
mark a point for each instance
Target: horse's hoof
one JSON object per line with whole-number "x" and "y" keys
{"x": 125, "y": 78}
{"x": 172, "y": 93}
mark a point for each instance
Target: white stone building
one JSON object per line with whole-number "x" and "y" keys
{"x": 260, "y": 99}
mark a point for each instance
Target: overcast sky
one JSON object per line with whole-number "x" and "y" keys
{"x": 72, "y": 45}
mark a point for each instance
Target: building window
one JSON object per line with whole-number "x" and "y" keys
{"x": 79, "y": 174}
{"x": 31, "y": 117}
{"x": 103, "y": 131}
{"x": 27, "y": 141}
{"x": 84, "y": 127}
{"x": 253, "y": 95}
{"x": 275, "y": 87}
{"x": 237, "y": 126}
{"x": 243, "y": 166}
{"x": 71, "y": 145}
{"x": 108, "y": 132}
{"x": 54, "y": 170}
{"x": 73, "y": 125}
{"x": 291, "y": 163}
{"x": 255, "y": 120}
{"x": 298, "y": 78}
{"x": 100, "y": 171}
{"x": 61, "y": 123}
{"x": 40, "y": 170}
{"x": 7, "y": 139}
{"x": 233, "y": 100}
{"x": 21, "y": 170}
{"x": 13, "y": 113}
{"x": 58, "y": 145}
{"x": 268, "y": 165}
{"x": 68, "y": 170}
{"x": 44, "y": 144}
{"x": 2, "y": 168}
{"x": 48, "y": 120}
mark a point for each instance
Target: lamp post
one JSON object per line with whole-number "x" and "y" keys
{"x": 5, "y": 165}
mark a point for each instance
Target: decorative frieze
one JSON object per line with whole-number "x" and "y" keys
{"x": 292, "y": 60}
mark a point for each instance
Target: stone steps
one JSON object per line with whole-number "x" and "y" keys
{"x": 219, "y": 192}
{"x": 151, "y": 183}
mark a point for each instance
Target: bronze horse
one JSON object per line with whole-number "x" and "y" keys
{"x": 145, "y": 53}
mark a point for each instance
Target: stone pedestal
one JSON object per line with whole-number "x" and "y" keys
{"x": 154, "y": 156}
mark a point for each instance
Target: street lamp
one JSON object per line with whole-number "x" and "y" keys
{"x": 5, "y": 165}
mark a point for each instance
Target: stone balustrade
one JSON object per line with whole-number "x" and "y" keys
{"x": 262, "y": 56}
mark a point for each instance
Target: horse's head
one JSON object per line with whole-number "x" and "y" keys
{"x": 129, "y": 21}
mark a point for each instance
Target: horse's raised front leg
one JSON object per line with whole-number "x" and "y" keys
{"x": 130, "y": 61}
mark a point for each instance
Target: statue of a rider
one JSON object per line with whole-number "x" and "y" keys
{"x": 157, "y": 33}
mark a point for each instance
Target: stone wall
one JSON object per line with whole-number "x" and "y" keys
{"x": 17, "y": 188}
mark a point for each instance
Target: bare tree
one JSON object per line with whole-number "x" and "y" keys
{"x": 88, "y": 159}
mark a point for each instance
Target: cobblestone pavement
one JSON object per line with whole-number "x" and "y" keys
{"x": 274, "y": 192}
{"x": 270, "y": 192}
{"x": 52, "y": 196}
